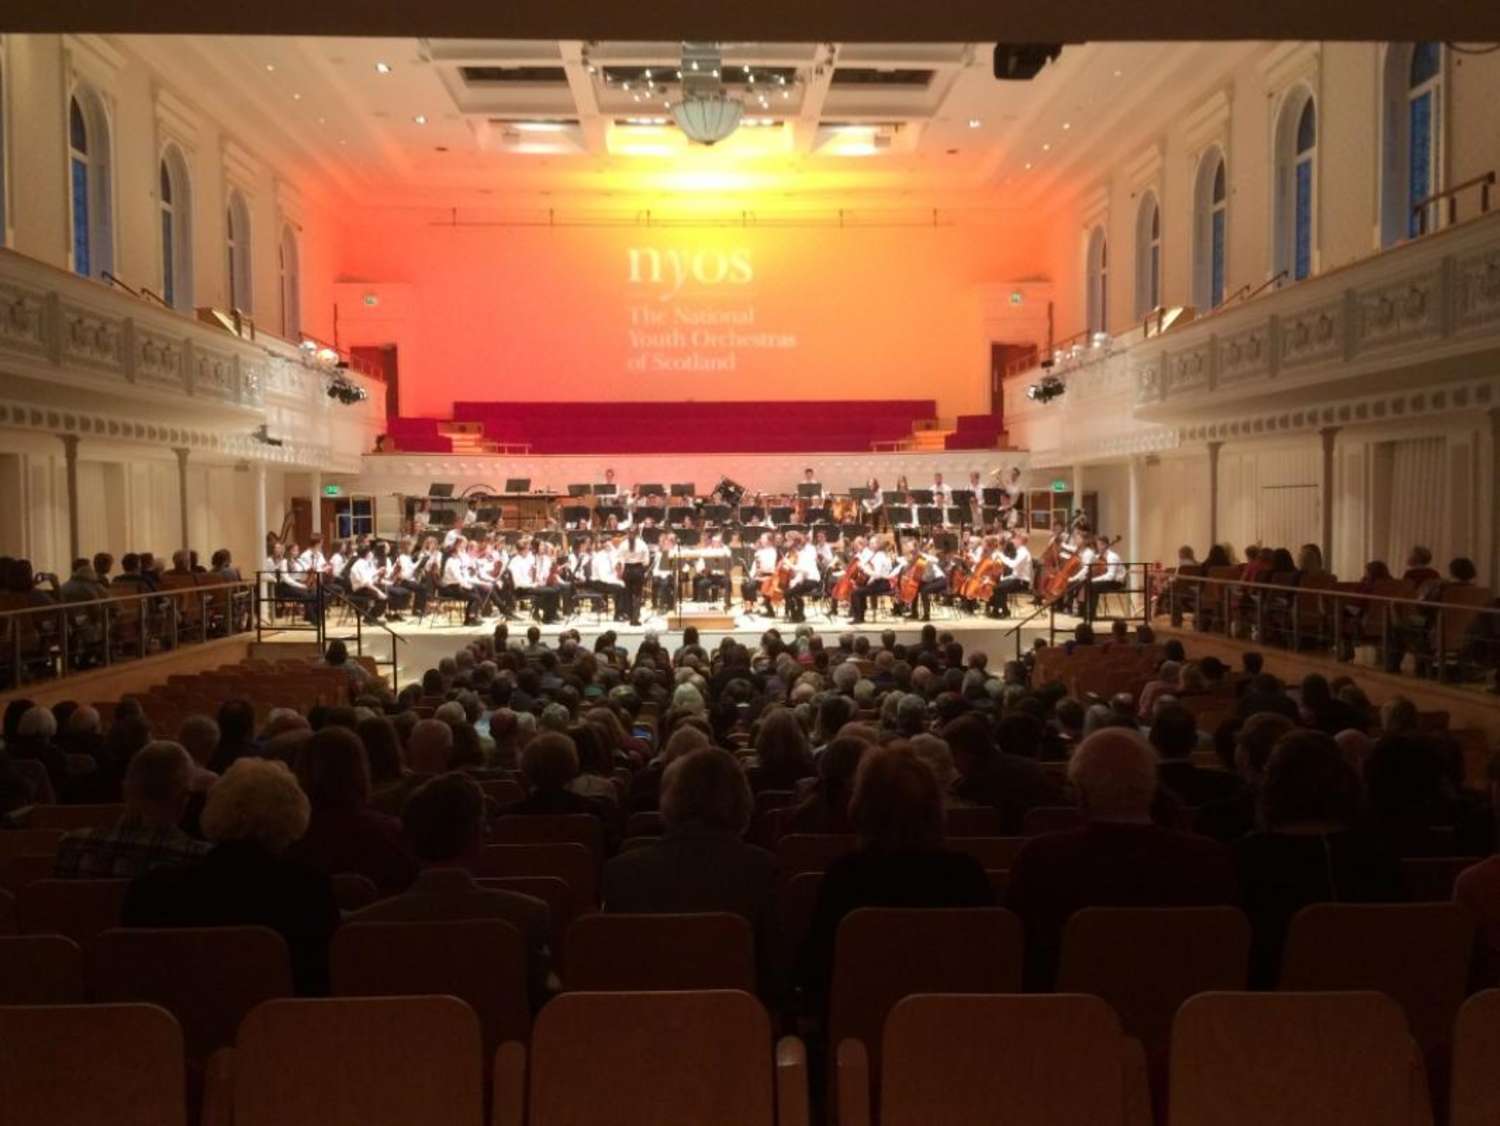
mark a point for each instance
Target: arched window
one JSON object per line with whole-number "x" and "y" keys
{"x": 1294, "y": 222}
{"x": 1411, "y": 166}
{"x": 1147, "y": 256}
{"x": 237, "y": 227}
{"x": 176, "y": 231}
{"x": 88, "y": 184}
{"x": 1210, "y": 230}
{"x": 291, "y": 285}
{"x": 1096, "y": 296}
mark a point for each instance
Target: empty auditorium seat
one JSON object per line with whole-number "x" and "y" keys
{"x": 576, "y": 828}
{"x": 668, "y": 1059}
{"x": 208, "y": 978}
{"x": 1146, "y": 961}
{"x": 995, "y": 853}
{"x": 354, "y": 891}
{"x": 1429, "y": 879}
{"x": 7, "y": 913}
{"x": 79, "y": 909}
{"x": 1416, "y": 953}
{"x": 482, "y": 962}
{"x": 647, "y": 823}
{"x": 368, "y": 1061}
{"x": 649, "y": 952}
{"x": 91, "y": 1065}
{"x": 1295, "y": 1059}
{"x": 1051, "y": 819}
{"x": 1475, "y": 1093}
{"x": 40, "y": 969}
{"x": 972, "y": 821}
{"x": 967, "y": 1060}
{"x": 882, "y": 955}
{"x": 503, "y": 791}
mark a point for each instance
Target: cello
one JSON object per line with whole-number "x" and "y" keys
{"x": 911, "y": 579}
{"x": 774, "y": 586}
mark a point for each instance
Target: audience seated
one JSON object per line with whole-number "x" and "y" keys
{"x": 993, "y": 776}
{"x": 157, "y": 787}
{"x": 1230, "y": 818}
{"x": 443, "y": 823}
{"x": 1119, "y": 859}
{"x": 899, "y": 861}
{"x": 1310, "y": 848}
{"x": 253, "y": 815}
{"x": 826, "y": 809}
{"x": 345, "y": 834}
{"x": 1174, "y": 734}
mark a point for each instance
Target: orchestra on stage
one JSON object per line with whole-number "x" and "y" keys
{"x": 623, "y": 553}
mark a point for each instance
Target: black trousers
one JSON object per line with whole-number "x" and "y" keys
{"x": 1098, "y": 588}
{"x": 472, "y": 596}
{"x": 401, "y": 596}
{"x": 664, "y": 591}
{"x": 795, "y": 599}
{"x": 307, "y": 599}
{"x": 635, "y": 586}
{"x": 707, "y": 587}
{"x": 862, "y": 595}
{"x": 1004, "y": 589}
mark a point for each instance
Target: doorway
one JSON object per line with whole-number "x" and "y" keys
{"x": 1006, "y": 359}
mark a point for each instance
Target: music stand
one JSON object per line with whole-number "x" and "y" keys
{"x": 440, "y": 490}
{"x": 780, "y": 516}
{"x": 749, "y": 512}
{"x": 929, "y": 516}
{"x": 605, "y": 511}
{"x": 604, "y": 490}
{"x": 715, "y": 513}
{"x": 684, "y": 489}
{"x": 903, "y": 516}
{"x": 946, "y": 541}
{"x": 810, "y": 489}
{"x": 993, "y": 497}
{"x": 573, "y": 513}
{"x": 689, "y": 537}
{"x": 651, "y": 535}
{"x": 961, "y": 498}
{"x": 893, "y": 497}
{"x": 579, "y": 490}
{"x": 518, "y": 484}
{"x": 651, "y": 491}
{"x": 488, "y": 516}
{"x": 677, "y": 514}
{"x": 860, "y": 492}
{"x": 652, "y": 513}
{"x": 921, "y": 496}
{"x": 817, "y": 515}
{"x": 850, "y": 531}
{"x": 829, "y": 529}
{"x": 989, "y": 515}
{"x": 958, "y": 516}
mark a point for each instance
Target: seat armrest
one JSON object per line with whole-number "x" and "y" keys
{"x": 1421, "y": 1093}
{"x": 791, "y": 1082}
{"x": 853, "y": 1081}
{"x": 218, "y": 1089}
{"x": 509, "y": 1099}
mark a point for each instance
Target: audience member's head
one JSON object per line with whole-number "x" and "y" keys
{"x": 333, "y": 769}
{"x": 549, "y": 762}
{"x": 236, "y": 721}
{"x": 157, "y": 784}
{"x": 443, "y": 819}
{"x": 200, "y": 736}
{"x": 1114, "y": 772}
{"x": 706, "y": 788}
{"x": 1308, "y": 784}
{"x": 1254, "y": 742}
{"x": 257, "y": 801}
{"x": 382, "y": 749}
{"x": 896, "y": 806}
{"x": 935, "y": 755}
{"x": 1174, "y": 731}
{"x": 429, "y": 747}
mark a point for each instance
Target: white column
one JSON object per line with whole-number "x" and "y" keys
{"x": 1213, "y": 491}
{"x": 260, "y": 514}
{"x": 1328, "y": 434}
{"x": 1133, "y": 513}
{"x": 315, "y": 486}
{"x": 182, "y": 492}
{"x": 1078, "y": 490}
{"x": 70, "y": 453}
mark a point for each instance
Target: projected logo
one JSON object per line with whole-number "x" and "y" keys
{"x": 699, "y": 272}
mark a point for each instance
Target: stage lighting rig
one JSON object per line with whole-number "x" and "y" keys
{"x": 1021, "y": 62}
{"x": 346, "y": 391}
{"x": 1048, "y": 389}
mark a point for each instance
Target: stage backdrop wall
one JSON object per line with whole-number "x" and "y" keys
{"x": 714, "y": 313}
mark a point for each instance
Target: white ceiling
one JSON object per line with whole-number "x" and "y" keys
{"x": 404, "y": 123}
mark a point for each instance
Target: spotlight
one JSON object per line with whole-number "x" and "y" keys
{"x": 1048, "y": 389}
{"x": 346, "y": 391}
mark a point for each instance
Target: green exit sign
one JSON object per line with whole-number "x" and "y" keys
{"x": 1015, "y": 297}
{"x": 1059, "y": 486}
{"x": 372, "y": 299}
{"x": 332, "y": 490}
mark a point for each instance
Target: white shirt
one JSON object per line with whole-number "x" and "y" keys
{"x": 879, "y": 566}
{"x": 451, "y": 536}
{"x": 1114, "y": 568}
{"x": 1021, "y": 566}
{"x": 1085, "y": 556}
{"x": 806, "y": 567}
{"x": 604, "y": 566}
{"x": 522, "y": 570}
{"x": 933, "y": 570}
{"x": 942, "y": 495}
{"x": 406, "y": 567}
{"x": 765, "y": 560}
{"x": 362, "y": 575}
{"x": 311, "y": 561}
{"x": 455, "y": 573}
{"x": 471, "y": 516}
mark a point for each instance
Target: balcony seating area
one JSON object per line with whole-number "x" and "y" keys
{"x": 976, "y": 432}
{"x": 834, "y": 425}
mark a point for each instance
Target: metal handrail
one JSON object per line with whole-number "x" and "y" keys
{"x": 1484, "y": 182}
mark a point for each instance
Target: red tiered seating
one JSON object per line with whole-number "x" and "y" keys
{"x": 976, "y": 432}
{"x": 418, "y": 436}
{"x": 684, "y": 427}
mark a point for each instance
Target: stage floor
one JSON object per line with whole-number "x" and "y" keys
{"x": 423, "y": 645}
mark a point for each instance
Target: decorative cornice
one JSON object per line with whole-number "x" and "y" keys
{"x": 93, "y": 58}
{"x": 1145, "y": 170}
{"x": 241, "y": 167}
{"x": 176, "y": 120}
{"x": 1208, "y": 124}
{"x": 1290, "y": 63}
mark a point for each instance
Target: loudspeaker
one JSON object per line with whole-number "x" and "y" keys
{"x": 1021, "y": 62}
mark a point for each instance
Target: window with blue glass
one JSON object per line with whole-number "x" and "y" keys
{"x": 1422, "y": 112}
{"x": 168, "y": 248}
{"x": 78, "y": 167}
{"x": 1147, "y": 256}
{"x": 1096, "y": 294}
{"x": 2, "y": 151}
{"x": 1302, "y": 222}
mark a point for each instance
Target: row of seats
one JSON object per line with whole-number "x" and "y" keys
{"x": 1145, "y": 962}
{"x": 680, "y": 1058}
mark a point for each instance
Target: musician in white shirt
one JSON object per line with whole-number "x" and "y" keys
{"x": 766, "y": 559}
{"x": 471, "y": 514}
{"x": 403, "y": 579}
{"x": 806, "y": 577}
{"x": 942, "y": 495}
{"x": 879, "y": 568}
{"x": 934, "y": 580}
{"x": 663, "y": 573}
{"x": 313, "y": 561}
{"x": 1019, "y": 570}
{"x": 526, "y": 575}
{"x": 808, "y": 479}
{"x": 364, "y": 585}
{"x": 1111, "y": 576}
{"x": 455, "y": 581}
{"x": 289, "y": 586}
{"x": 711, "y": 572}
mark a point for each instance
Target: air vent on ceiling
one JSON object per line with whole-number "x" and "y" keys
{"x": 731, "y": 74}
{"x": 879, "y": 76}
{"x": 492, "y": 75}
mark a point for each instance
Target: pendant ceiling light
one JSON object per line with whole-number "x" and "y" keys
{"x": 704, "y": 112}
